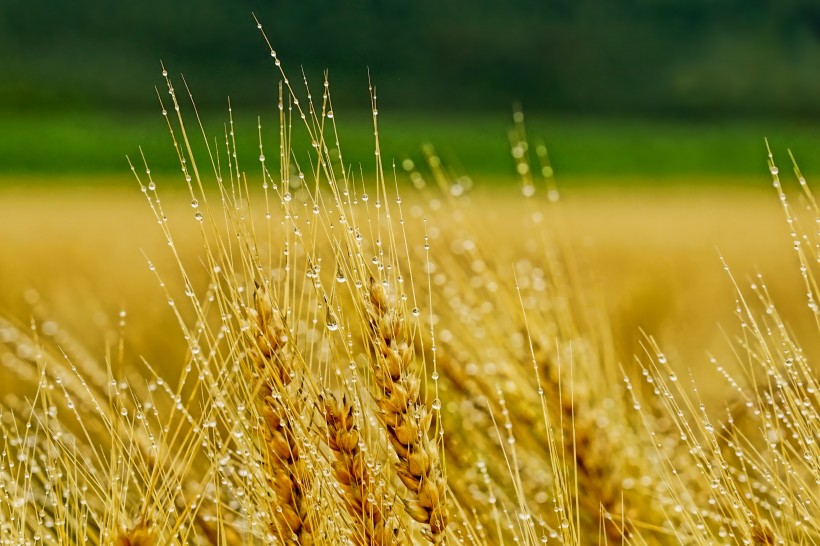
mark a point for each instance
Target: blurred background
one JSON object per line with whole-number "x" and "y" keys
{"x": 654, "y": 113}
{"x": 641, "y": 87}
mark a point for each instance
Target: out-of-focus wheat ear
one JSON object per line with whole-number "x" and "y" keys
{"x": 139, "y": 535}
{"x": 762, "y": 534}
{"x": 279, "y": 400}
{"x": 271, "y": 350}
{"x": 362, "y": 497}
{"x": 217, "y": 532}
{"x": 406, "y": 419}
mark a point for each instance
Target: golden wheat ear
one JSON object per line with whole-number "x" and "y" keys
{"x": 288, "y": 478}
{"x": 762, "y": 534}
{"x": 139, "y": 535}
{"x": 405, "y": 417}
{"x": 362, "y": 497}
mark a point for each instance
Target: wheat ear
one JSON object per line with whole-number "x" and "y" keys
{"x": 361, "y": 495}
{"x": 762, "y": 534}
{"x": 287, "y": 476}
{"x": 139, "y": 535}
{"x": 405, "y": 417}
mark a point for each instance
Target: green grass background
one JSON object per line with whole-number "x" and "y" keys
{"x": 49, "y": 147}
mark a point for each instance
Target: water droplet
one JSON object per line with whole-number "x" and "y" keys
{"x": 330, "y": 114}
{"x": 152, "y": 186}
{"x": 331, "y": 322}
{"x": 198, "y": 216}
{"x": 194, "y": 203}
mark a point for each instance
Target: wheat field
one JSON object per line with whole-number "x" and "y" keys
{"x": 271, "y": 348}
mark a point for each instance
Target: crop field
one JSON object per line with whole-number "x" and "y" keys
{"x": 283, "y": 359}
{"x": 409, "y": 273}
{"x": 298, "y": 330}
{"x": 650, "y": 257}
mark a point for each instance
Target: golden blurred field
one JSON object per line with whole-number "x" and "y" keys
{"x": 651, "y": 256}
{"x": 296, "y": 331}
{"x": 282, "y": 344}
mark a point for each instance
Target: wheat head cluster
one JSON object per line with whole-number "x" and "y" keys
{"x": 367, "y": 364}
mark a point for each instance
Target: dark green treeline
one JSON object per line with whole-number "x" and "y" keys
{"x": 698, "y": 58}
